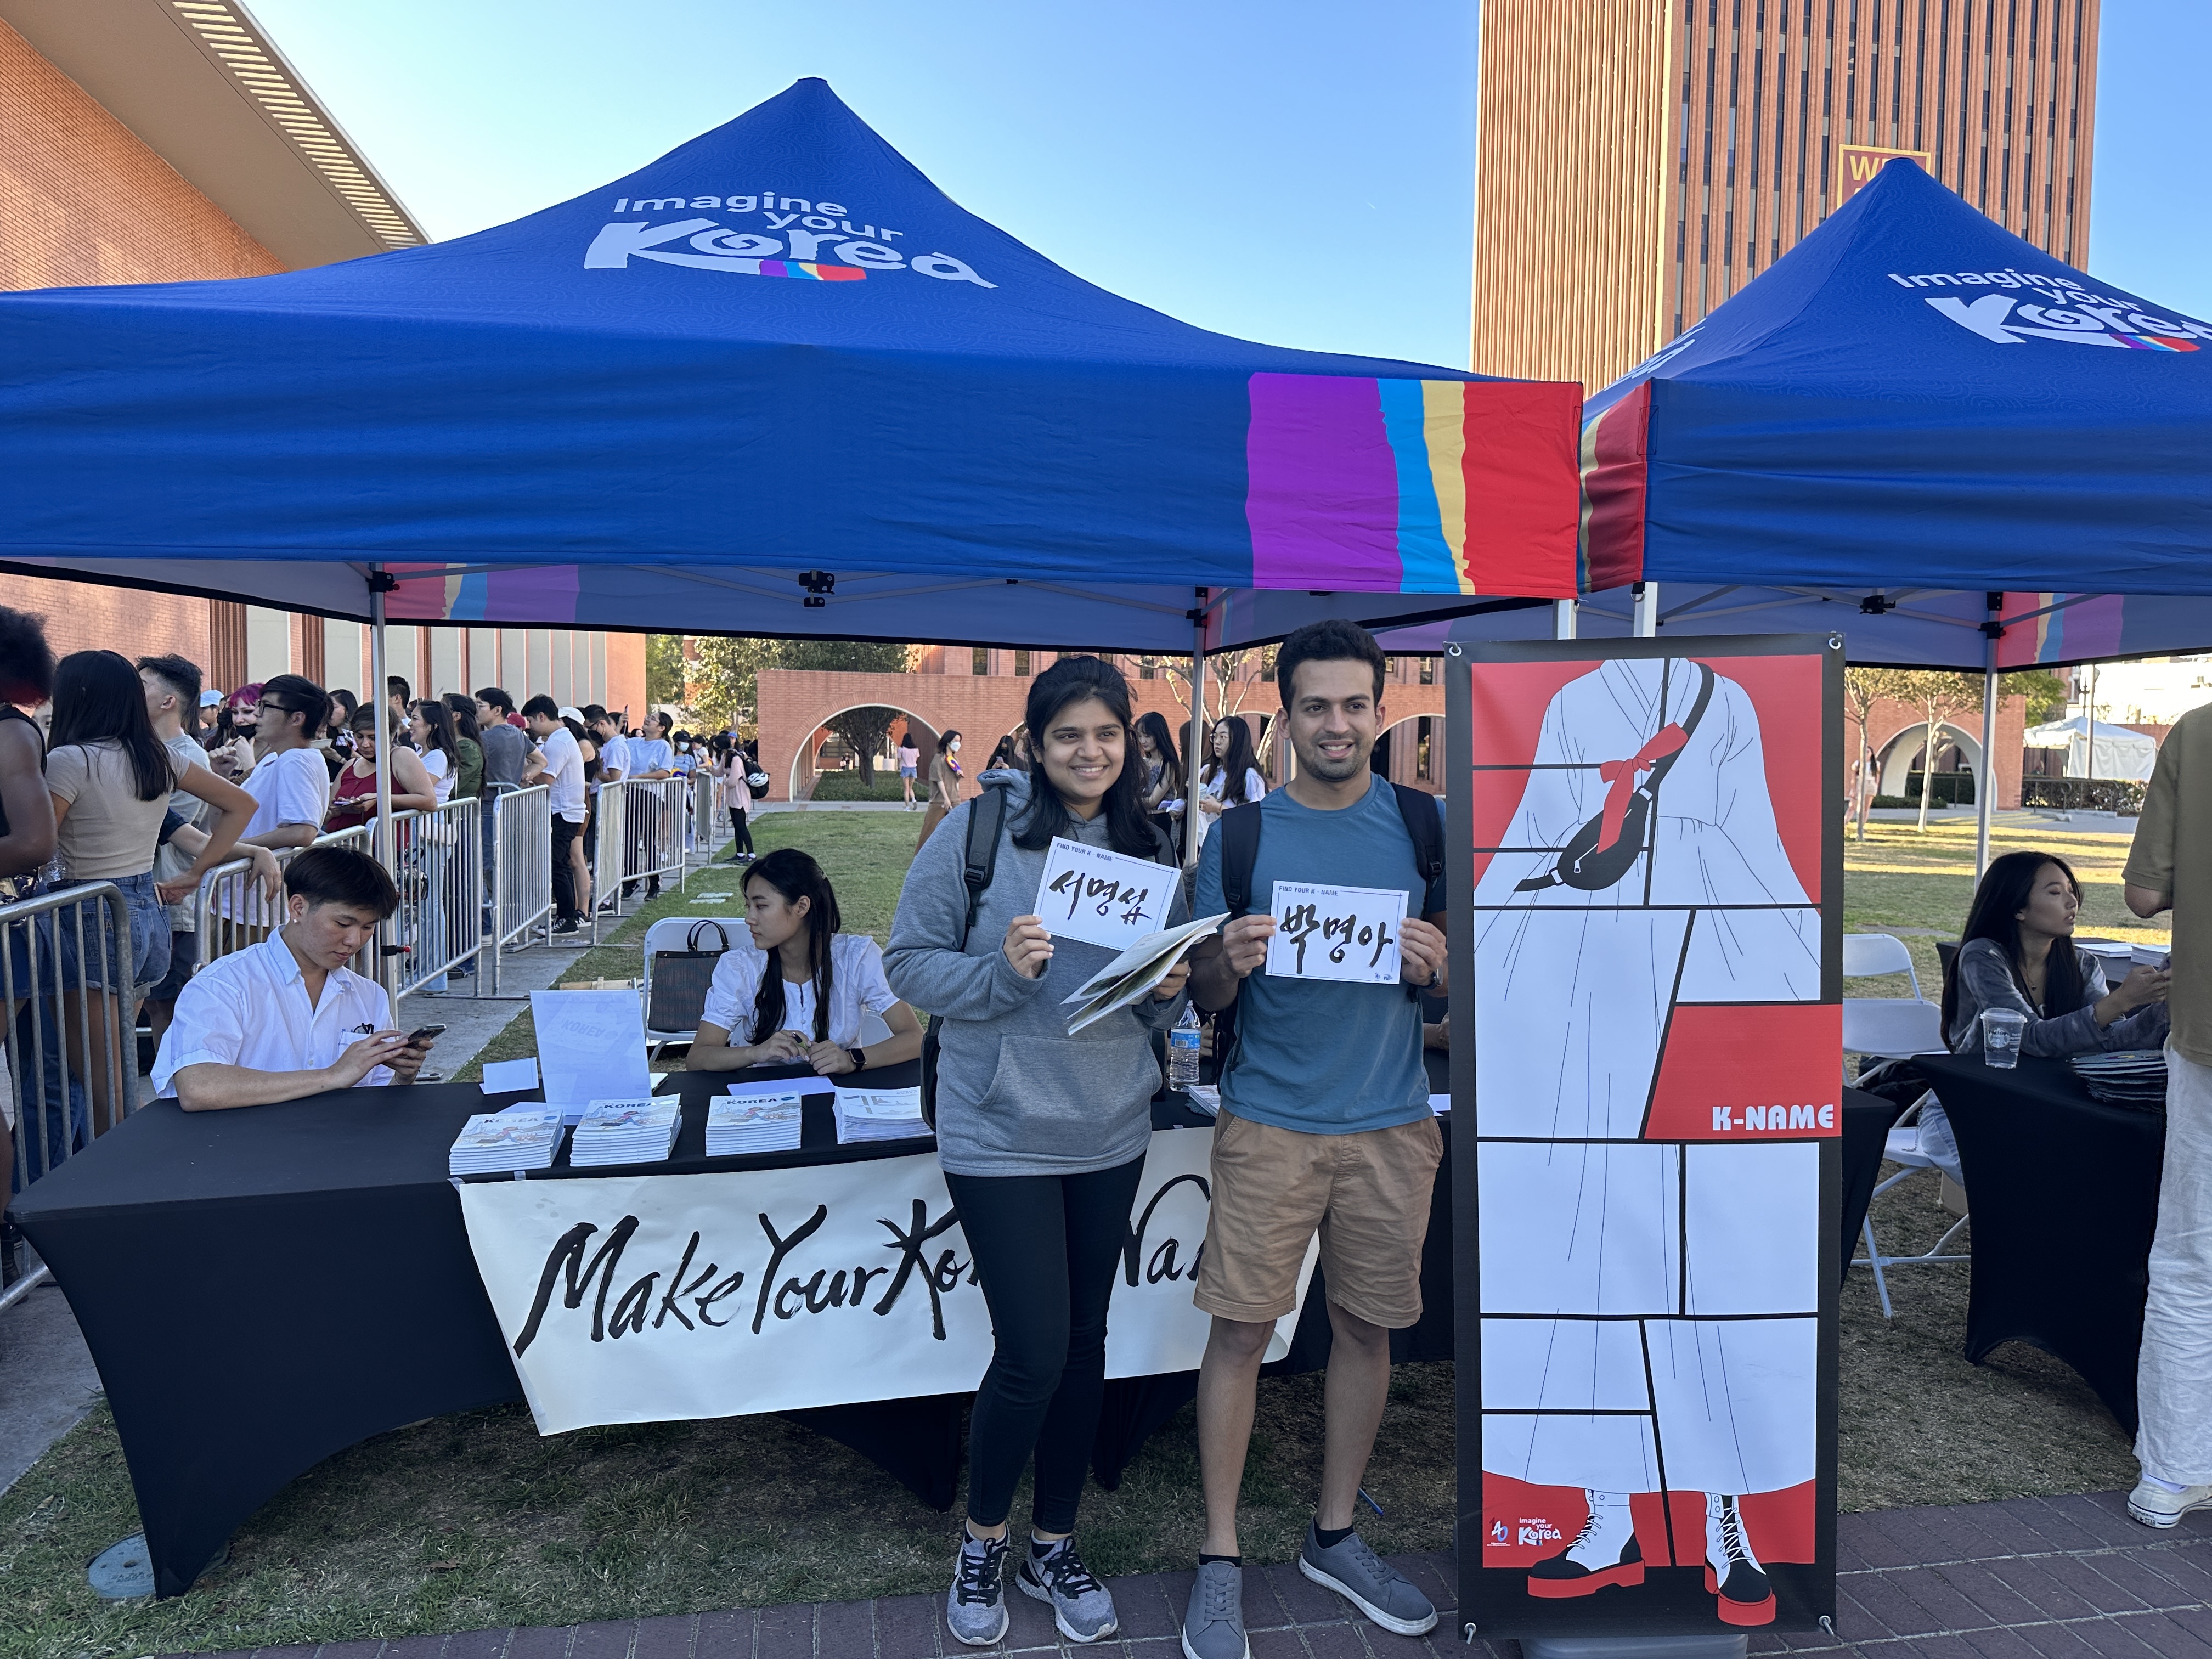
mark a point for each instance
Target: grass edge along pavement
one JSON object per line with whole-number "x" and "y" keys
{"x": 474, "y": 1522}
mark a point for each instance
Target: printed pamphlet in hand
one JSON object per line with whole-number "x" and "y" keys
{"x": 753, "y": 1122}
{"x": 495, "y": 1143}
{"x": 878, "y": 1115}
{"x": 640, "y": 1131}
{"x": 1137, "y": 972}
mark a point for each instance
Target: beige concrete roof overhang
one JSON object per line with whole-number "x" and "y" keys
{"x": 204, "y": 87}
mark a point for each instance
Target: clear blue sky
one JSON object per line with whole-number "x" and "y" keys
{"x": 1294, "y": 172}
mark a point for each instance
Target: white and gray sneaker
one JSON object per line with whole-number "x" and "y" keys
{"x": 2161, "y": 1504}
{"x": 1213, "y": 1625}
{"x": 1369, "y": 1582}
{"x": 1081, "y": 1605}
{"x": 976, "y": 1606}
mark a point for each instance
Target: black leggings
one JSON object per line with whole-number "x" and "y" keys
{"x": 742, "y": 840}
{"x": 1046, "y": 1250}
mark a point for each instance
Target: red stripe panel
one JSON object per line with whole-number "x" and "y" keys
{"x": 1615, "y": 487}
{"x": 1523, "y": 494}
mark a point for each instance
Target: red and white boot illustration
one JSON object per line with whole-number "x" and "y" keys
{"x": 1732, "y": 1571}
{"x": 1605, "y": 1552}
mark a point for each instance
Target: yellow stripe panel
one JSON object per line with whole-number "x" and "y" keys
{"x": 1443, "y": 428}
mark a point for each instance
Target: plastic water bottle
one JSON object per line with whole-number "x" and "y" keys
{"x": 1182, "y": 1052}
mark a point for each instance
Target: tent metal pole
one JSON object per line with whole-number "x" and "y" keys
{"x": 1563, "y": 619}
{"x": 1197, "y": 758}
{"x": 379, "y": 585}
{"x": 1647, "y": 610}
{"x": 1986, "y": 790}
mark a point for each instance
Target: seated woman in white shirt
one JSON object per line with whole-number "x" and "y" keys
{"x": 289, "y": 1018}
{"x": 808, "y": 1010}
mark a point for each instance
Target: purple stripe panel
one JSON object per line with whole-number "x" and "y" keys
{"x": 2094, "y": 627}
{"x": 542, "y": 593}
{"x": 1321, "y": 497}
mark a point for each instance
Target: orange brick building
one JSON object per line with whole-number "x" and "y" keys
{"x": 979, "y": 692}
{"x": 1640, "y": 161}
{"x": 155, "y": 141}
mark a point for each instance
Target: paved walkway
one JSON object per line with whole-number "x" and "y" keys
{"x": 2029, "y": 1578}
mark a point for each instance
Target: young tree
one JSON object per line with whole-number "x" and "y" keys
{"x": 1233, "y": 678}
{"x": 1862, "y": 688}
{"x": 1940, "y": 697}
{"x": 663, "y": 670}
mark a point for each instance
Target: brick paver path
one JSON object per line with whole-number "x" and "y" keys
{"x": 2030, "y": 1578}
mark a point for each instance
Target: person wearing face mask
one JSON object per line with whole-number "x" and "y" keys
{"x": 1042, "y": 1133}
{"x": 795, "y": 995}
{"x": 944, "y": 786}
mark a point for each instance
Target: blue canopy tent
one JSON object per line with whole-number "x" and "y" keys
{"x": 773, "y": 383}
{"x": 1919, "y": 431}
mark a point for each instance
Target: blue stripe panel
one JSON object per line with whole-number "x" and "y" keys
{"x": 1424, "y": 558}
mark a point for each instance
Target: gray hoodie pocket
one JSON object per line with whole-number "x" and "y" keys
{"x": 1065, "y": 1099}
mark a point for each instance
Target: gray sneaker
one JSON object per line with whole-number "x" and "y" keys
{"x": 1213, "y": 1628}
{"x": 975, "y": 1606}
{"x": 1081, "y": 1605}
{"x": 1369, "y": 1582}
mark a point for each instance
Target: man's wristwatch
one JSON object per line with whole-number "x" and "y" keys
{"x": 860, "y": 1059}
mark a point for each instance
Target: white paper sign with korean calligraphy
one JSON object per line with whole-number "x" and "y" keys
{"x": 1336, "y": 932}
{"x": 1102, "y": 897}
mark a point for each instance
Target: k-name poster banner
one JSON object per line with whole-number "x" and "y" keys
{"x": 650, "y": 1299}
{"x": 1645, "y": 1215}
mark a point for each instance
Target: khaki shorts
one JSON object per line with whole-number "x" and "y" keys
{"x": 1367, "y": 1193}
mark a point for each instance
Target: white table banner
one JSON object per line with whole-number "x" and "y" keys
{"x": 664, "y": 1298}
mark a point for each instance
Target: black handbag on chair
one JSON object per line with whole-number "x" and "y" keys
{"x": 679, "y": 980}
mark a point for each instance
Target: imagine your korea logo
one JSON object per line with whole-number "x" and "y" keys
{"x": 2039, "y": 307}
{"x": 784, "y": 236}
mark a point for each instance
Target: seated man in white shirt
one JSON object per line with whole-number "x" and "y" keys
{"x": 287, "y": 1018}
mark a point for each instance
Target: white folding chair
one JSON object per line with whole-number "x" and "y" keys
{"x": 674, "y": 934}
{"x": 1893, "y": 1028}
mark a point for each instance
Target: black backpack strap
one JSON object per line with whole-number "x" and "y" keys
{"x": 1425, "y": 825}
{"x": 1240, "y": 850}
{"x": 987, "y": 816}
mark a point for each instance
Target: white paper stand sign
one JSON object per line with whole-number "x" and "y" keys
{"x": 1336, "y": 932}
{"x": 654, "y": 1298}
{"x": 1102, "y": 897}
{"x": 591, "y": 1046}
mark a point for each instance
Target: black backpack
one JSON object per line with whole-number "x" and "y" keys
{"x": 979, "y": 862}
{"x": 1240, "y": 851}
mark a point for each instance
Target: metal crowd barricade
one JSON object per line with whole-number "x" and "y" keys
{"x": 658, "y": 817}
{"x": 57, "y": 949}
{"x": 440, "y": 859}
{"x": 518, "y": 840}
{"x": 230, "y": 913}
{"x": 610, "y": 836}
{"x": 710, "y": 817}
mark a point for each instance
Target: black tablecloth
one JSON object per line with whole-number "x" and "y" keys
{"x": 263, "y": 1288}
{"x": 2063, "y": 1193}
{"x": 1868, "y": 1120}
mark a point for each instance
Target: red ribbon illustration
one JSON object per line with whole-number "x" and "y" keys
{"x": 1621, "y": 775}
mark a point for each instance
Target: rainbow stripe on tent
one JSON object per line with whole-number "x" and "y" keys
{"x": 1398, "y": 486}
{"x": 2061, "y": 627}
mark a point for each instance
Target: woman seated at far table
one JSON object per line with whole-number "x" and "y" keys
{"x": 2019, "y": 953}
{"x": 808, "y": 1010}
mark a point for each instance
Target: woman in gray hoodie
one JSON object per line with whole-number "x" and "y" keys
{"x": 1042, "y": 1135}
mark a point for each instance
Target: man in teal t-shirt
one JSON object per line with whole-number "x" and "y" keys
{"x": 1325, "y": 1126}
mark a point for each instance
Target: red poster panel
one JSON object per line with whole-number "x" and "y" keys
{"x": 1645, "y": 1133}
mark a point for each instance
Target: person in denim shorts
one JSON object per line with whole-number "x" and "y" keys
{"x": 110, "y": 779}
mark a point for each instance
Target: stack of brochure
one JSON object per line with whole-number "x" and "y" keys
{"x": 753, "y": 1123}
{"x": 878, "y": 1115}
{"x": 625, "y": 1132}
{"x": 495, "y": 1143}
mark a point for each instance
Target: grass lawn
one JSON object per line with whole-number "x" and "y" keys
{"x": 475, "y": 1521}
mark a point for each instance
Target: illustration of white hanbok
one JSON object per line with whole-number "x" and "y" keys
{"x": 1646, "y": 1304}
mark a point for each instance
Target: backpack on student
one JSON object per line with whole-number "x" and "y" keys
{"x": 979, "y": 862}
{"x": 1240, "y": 850}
